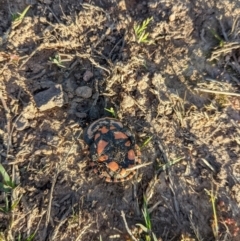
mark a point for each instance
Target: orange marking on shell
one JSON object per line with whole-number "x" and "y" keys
{"x": 103, "y": 158}
{"x": 101, "y": 146}
{"x": 108, "y": 179}
{"x": 119, "y": 135}
{"x": 130, "y": 176}
{"x": 104, "y": 129}
{"x": 128, "y": 143}
{"x": 131, "y": 155}
{"x": 123, "y": 172}
{"x": 96, "y": 136}
{"x": 113, "y": 166}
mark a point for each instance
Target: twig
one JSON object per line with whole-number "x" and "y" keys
{"x": 175, "y": 201}
{"x": 118, "y": 42}
{"x": 38, "y": 225}
{"x": 139, "y": 166}
{"x": 83, "y": 230}
{"x": 217, "y": 92}
{"x": 226, "y": 49}
{"x": 59, "y": 169}
{"x": 194, "y": 227}
{"x": 50, "y": 204}
{"x": 126, "y": 226}
{"x": 163, "y": 152}
{"x": 53, "y": 14}
{"x": 108, "y": 31}
{"x": 30, "y": 56}
{"x": 59, "y": 225}
{"x": 8, "y": 118}
{"x": 208, "y": 164}
{"x": 92, "y": 61}
{"x": 223, "y": 30}
{"x": 135, "y": 198}
{"x": 150, "y": 210}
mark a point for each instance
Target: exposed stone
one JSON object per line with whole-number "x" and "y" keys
{"x": 84, "y": 91}
{"x": 21, "y": 123}
{"x": 87, "y": 75}
{"x": 172, "y": 17}
{"x": 127, "y": 102}
{"x": 49, "y": 98}
{"x": 81, "y": 115}
{"x": 48, "y": 2}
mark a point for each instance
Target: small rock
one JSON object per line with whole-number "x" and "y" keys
{"x": 29, "y": 111}
{"x": 172, "y": 17}
{"x": 81, "y": 115}
{"x": 47, "y": 1}
{"x": 21, "y": 124}
{"x": 127, "y": 102}
{"x": 70, "y": 95}
{"x": 50, "y": 98}
{"x": 84, "y": 91}
{"x": 87, "y": 75}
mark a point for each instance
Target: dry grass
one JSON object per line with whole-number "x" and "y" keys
{"x": 56, "y": 196}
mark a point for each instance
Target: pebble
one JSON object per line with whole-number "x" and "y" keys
{"x": 87, "y": 75}
{"x": 48, "y": 2}
{"x": 21, "y": 123}
{"x": 50, "y": 98}
{"x": 81, "y": 115}
{"x": 84, "y": 91}
{"x": 127, "y": 102}
{"x": 172, "y": 17}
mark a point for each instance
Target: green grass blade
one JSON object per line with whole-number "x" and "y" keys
{"x": 146, "y": 142}
{"x": 15, "y": 203}
{"x": 171, "y": 163}
{"x": 6, "y": 177}
{"x": 111, "y": 110}
{"x": 31, "y": 237}
{"x": 146, "y": 214}
{"x": 5, "y": 188}
{"x": 19, "y": 17}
